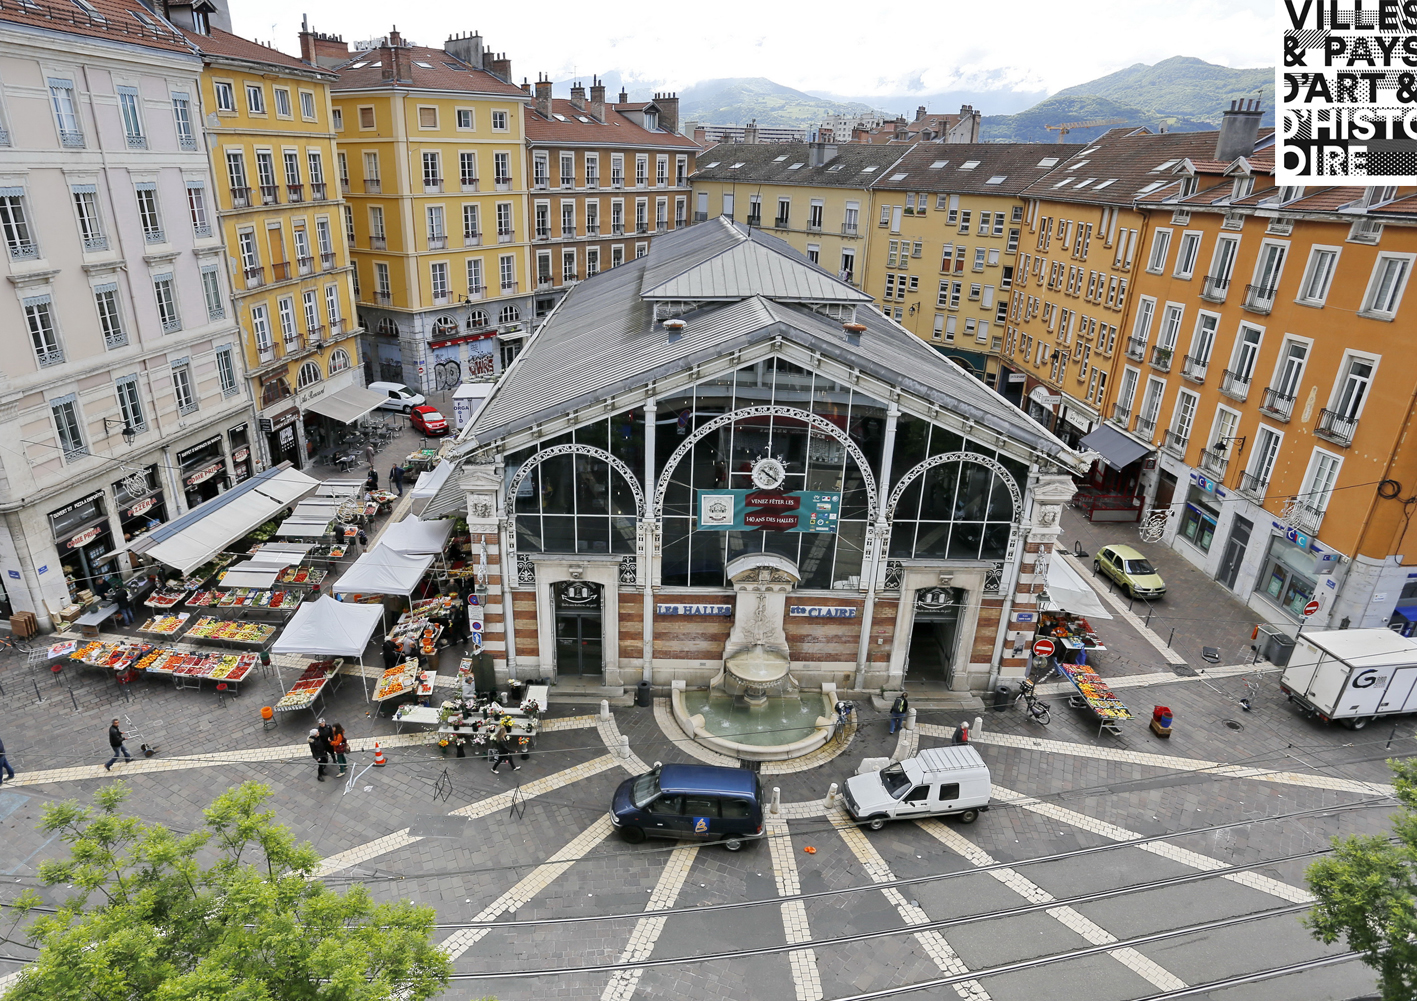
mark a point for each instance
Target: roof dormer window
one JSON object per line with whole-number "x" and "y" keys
{"x": 652, "y": 120}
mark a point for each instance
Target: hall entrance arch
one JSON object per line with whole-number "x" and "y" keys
{"x": 580, "y": 635}
{"x": 934, "y": 639}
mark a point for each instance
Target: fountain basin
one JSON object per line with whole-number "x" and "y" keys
{"x": 783, "y": 727}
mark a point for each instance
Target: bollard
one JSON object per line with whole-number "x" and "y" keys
{"x": 624, "y": 748}
{"x": 37, "y": 695}
{"x": 910, "y": 718}
{"x": 775, "y": 807}
{"x": 832, "y": 796}
{"x": 978, "y": 727}
{"x": 1149, "y": 607}
{"x": 73, "y": 699}
{"x": 1172, "y": 639}
{"x": 604, "y": 709}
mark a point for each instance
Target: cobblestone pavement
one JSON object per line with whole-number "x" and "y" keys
{"x": 1222, "y": 816}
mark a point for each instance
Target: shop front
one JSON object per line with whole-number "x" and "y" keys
{"x": 242, "y": 463}
{"x": 84, "y": 539}
{"x": 1043, "y": 405}
{"x": 1112, "y": 490}
{"x": 203, "y": 471}
{"x": 1077, "y": 420}
{"x": 140, "y": 503}
{"x": 1290, "y": 576}
{"x": 331, "y": 406}
{"x": 1201, "y": 513}
{"x": 281, "y": 438}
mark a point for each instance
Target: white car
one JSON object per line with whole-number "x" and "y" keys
{"x": 938, "y": 782}
{"x": 399, "y": 396}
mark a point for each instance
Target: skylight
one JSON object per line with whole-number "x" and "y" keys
{"x": 1076, "y": 164}
{"x": 867, "y": 170}
{"x": 969, "y": 165}
{"x": 938, "y": 164}
{"x": 1163, "y": 166}
{"x": 714, "y": 164}
{"x": 796, "y": 166}
{"x": 997, "y": 179}
{"x": 559, "y": 118}
{"x": 583, "y": 118}
{"x": 736, "y": 165}
{"x": 898, "y": 177}
{"x": 1083, "y": 184}
{"x": 1090, "y": 150}
{"x": 779, "y": 159}
{"x": 359, "y": 66}
{"x": 427, "y": 66}
{"x": 1152, "y": 187}
{"x": 1066, "y": 180}
{"x": 836, "y": 166}
{"x": 1048, "y": 161}
{"x": 452, "y": 66}
{"x": 1110, "y": 180}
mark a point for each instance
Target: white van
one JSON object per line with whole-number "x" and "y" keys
{"x": 397, "y": 396}
{"x": 938, "y": 782}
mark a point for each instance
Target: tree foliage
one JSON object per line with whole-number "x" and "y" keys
{"x": 229, "y": 912}
{"x": 1367, "y": 893}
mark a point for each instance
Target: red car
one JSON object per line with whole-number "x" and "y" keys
{"x": 428, "y": 420}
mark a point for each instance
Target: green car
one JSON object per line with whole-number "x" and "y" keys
{"x": 1131, "y": 570}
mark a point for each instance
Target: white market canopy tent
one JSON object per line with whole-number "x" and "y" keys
{"x": 317, "y": 508}
{"x": 383, "y": 571}
{"x": 329, "y": 628}
{"x": 279, "y": 555}
{"x": 251, "y": 574}
{"x": 187, "y": 542}
{"x": 412, "y": 537}
{"x": 303, "y": 528}
{"x": 339, "y": 488}
{"x": 429, "y": 482}
{"x": 348, "y": 405}
{"x": 1069, "y": 592}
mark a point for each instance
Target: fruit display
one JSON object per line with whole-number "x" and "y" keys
{"x": 115, "y": 656}
{"x": 310, "y": 683}
{"x": 165, "y": 598}
{"x": 437, "y": 608}
{"x": 332, "y": 552}
{"x": 302, "y": 575}
{"x": 203, "y": 599}
{"x": 210, "y": 628}
{"x": 165, "y": 625}
{"x": 1094, "y": 690}
{"x": 396, "y": 680}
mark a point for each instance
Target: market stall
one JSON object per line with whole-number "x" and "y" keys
{"x": 381, "y": 570}
{"x": 210, "y": 629}
{"x": 397, "y": 681}
{"x": 1094, "y": 695}
{"x": 166, "y": 626}
{"x": 315, "y": 681}
{"x": 304, "y": 528}
{"x": 330, "y": 628}
{"x": 412, "y": 537}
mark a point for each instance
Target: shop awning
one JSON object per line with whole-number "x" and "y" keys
{"x": 296, "y": 528}
{"x": 413, "y": 537}
{"x": 187, "y": 542}
{"x": 1117, "y": 448}
{"x": 348, "y": 405}
{"x": 329, "y": 628}
{"x": 383, "y": 571}
{"x": 339, "y": 488}
{"x": 1070, "y": 593}
{"x": 250, "y": 574}
{"x": 281, "y": 554}
{"x": 430, "y": 482}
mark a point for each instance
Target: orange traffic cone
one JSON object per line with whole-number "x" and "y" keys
{"x": 379, "y": 760}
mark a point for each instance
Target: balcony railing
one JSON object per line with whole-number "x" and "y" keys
{"x": 71, "y": 138}
{"x": 255, "y": 277}
{"x": 154, "y": 236}
{"x": 1136, "y": 348}
{"x": 1254, "y": 485}
{"x": 202, "y": 231}
{"x": 617, "y": 181}
{"x": 568, "y": 232}
{"x": 568, "y": 184}
{"x": 1259, "y": 298}
{"x": 755, "y": 220}
{"x": 432, "y": 185}
{"x": 1336, "y": 427}
{"x": 1307, "y": 518}
{"x": 641, "y": 227}
{"x": 569, "y": 276}
{"x": 543, "y": 232}
{"x": 327, "y": 261}
{"x": 315, "y": 335}
{"x": 541, "y": 183}
{"x": 1146, "y": 426}
{"x": 503, "y": 183}
{"x": 280, "y": 271}
{"x": 700, "y": 217}
{"x": 1215, "y": 288}
{"x": 438, "y": 242}
{"x": 305, "y": 265}
{"x": 344, "y": 185}
{"x": 51, "y": 357}
{"x": 270, "y": 194}
{"x": 617, "y": 229}
{"x": 1194, "y": 368}
{"x": 543, "y": 282}
{"x": 317, "y": 191}
{"x": 1214, "y": 463}
{"x": 1121, "y": 415}
{"x": 115, "y": 338}
{"x": 1235, "y": 385}
{"x": 592, "y": 180}
{"x": 187, "y": 142}
{"x": 383, "y": 298}
{"x": 337, "y": 327}
{"x": 472, "y": 239}
{"x": 592, "y": 229}
{"x": 505, "y": 235}
{"x": 1161, "y": 358}
{"x": 1276, "y": 404}
{"x": 780, "y": 222}
{"x": 172, "y": 324}
{"x": 1175, "y": 444}
{"x": 373, "y": 186}
{"x": 240, "y": 198}
{"x": 469, "y": 184}
{"x": 294, "y": 193}
{"x": 509, "y": 286}
{"x": 476, "y": 291}
{"x": 137, "y": 142}
{"x": 24, "y": 250}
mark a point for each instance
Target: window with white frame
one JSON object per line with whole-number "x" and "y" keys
{"x": 197, "y": 209}
{"x": 130, "y": 110}
{"x": 309, "y": 375}
{"x": 507, "y": 270}
{"x": 90, "y": 221}
{"x": 66, "y": 423}
{"x": 183, "y": 389}
{"x": 182, "y": 121}
{"x": 466, "y": 122}
{"x": 255, "y": 99}
{"x": 1202, "y": 343}
{"x": 502, "y": 168}
{"x": 1160, "y": 246}
{"x": 439, "y": 282}
{"x": 382, "y": 287}
{"x": 1318, "y": 487}
{"x": 1267, "y": 442}
{"x": 592, "y": 261}
{"x": 470, "y": 228}
{"x": 66, "y": 115}
{"x": 307, "y": 105}
{"x": 504, "y": 219}
{"x": 1351, "y": 388}
{"x": 467, "y": 171}
{"x": 211, "y": 292}
{"x": 225, "y": 96}
{"x": 332, "y": 313}
{"x": 282, "y": 102}
{"x": 289, "y": 330}
{"x": 130, "y": 402}
{"x": 1385, "y": 287}
{"x": 14, "y": 220}
{"x": 1183, "y": 417}
{"x": 226, "y": 370}
{"x": 1170, "y": 328}
{"x": 310, "y": 304}
{"x": 1318, "y": 275}
{"x": 148, "y": 213}
{"x": 1268, "y": 270}
{"x": 110, "y": 317}
{"x": 261, "y": 327}
{"x": 499, "y": 121}
{"x": 1150, "y": 407}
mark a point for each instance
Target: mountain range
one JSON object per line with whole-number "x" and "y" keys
{"x": 740, "y": 100}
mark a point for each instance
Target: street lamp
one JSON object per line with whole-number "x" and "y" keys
{"x": 1222, "y": 443}
{"x": 128, "y": 433}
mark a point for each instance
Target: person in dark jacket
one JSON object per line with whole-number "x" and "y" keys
{"x": 5, "y": 768}
{"x": 899, "y": 708}
{"x": 391, "y": 654}
{"x": 115, "y": 741}
{"x": 396, "y": 478}
{"x": 320, "y": 751}
{"x": 502, "y": 747}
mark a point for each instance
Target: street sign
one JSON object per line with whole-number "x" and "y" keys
{"x": 1043, "y": 648}
{"x": 1311, "y": 608}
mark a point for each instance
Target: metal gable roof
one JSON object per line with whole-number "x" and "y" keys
{"x": 753, "y": 269}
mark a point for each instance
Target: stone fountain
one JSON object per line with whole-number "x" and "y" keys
{"x": 754, "y": 708}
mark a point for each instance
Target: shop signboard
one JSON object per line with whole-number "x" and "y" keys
{"x": 693, "y": 609}
{"x": 770, "y": 510}
{"x": 240, "y": 454}
{"x": 204, "y": 474}
{"x": 187, "y": 454}
{"x": 72, "y": 515}
{"x": 823, "y": 611}
{"x": 142, "y": 507}
{"x": 85, "y": 537}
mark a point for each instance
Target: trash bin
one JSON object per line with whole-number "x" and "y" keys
{"x": 1274, "y": 645}
{"x": 643, "y": 697}
{"x": 1003, "y": 697}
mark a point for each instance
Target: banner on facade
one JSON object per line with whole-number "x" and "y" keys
{"x": 769, "y": 510}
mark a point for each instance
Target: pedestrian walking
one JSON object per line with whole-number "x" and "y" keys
{"x": 899, "y": 708}
{"x": 502, "y": 747}
{"x": 125, "y": 604}
{"x": 369, "y": 456}
{"x": 115, "y": 741}
{"x": 396, "y": 478}
{"x": 5, "y": 770}
{"x": 339, "y": 747}
{"x": 320, "y": 751}
{"x": 391, "y": 654}
{"x": 363, "y": 539}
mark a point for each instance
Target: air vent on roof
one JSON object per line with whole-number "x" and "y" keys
{"x": 796, "y": 166}
{"x": 714, "y": 164}
{"x": 997, "y": 179}
{"x": 854, "y": 332}
{"x": 969, "y": 165}
{"x": 1048, "y": 161}
{"x": 938, "y": 164}
{"x": 675, "y": 328}
{"x": 1110, "y": 180}
{"x": 898, "y": 177}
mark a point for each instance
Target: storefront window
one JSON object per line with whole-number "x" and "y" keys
{"x": 141, "y": 506}
{"x": 239, "y": 438}
{"x": 203, "y": 471}
{"x": 1289, "y": 579}
{"x": 82, "y": 537}
{"x": 1198, "y": 520}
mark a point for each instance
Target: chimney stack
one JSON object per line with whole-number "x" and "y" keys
{"x": 578, "y": 96}
{"x": 750, "y": 132}
{"x": 526, "y": 85}
{"x": 700, "y": 135}
{"x": 919, "y": 112}
{"x": 819, "y": 154}
{"x": 597, "y": 99}
{"x": 395, "y": 39}
{"x": 499, "y": 66}
{"x": 319, "y": 49}
{"x": 1238, "y": 130}
{"x": 465, "y": 48}
{"x": 668, "y": 111}
{"x": 543, "y": 96}
{"x": 624, "y": 98}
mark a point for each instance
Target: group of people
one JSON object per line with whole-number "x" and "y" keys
{"x": 328, "y": 743}
{"x": 396, "y": 473}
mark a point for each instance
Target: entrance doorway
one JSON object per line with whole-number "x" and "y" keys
{"x": 1234, "y": 552}
{"x": 930, "y": 663}
{"x": 580, "y": 645}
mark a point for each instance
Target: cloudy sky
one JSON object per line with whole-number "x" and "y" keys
{"x": 891, "y": 50}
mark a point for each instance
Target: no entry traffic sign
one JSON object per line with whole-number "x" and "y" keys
{"x": 1043, "y": 648}
{"x": 1310, "y": 608}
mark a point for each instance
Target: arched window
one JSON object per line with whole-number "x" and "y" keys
{"x": 388, "y": 327}
{"x": 339, "y": 360}
{"x": 277, "y": 389}
{"x": 509, "y": 314}
{"x": 445, "y": 326}
{"x": 309, "y": 375}
{"x": 477, "y": 318}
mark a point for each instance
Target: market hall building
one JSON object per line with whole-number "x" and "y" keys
{"x": 717, "y": 444}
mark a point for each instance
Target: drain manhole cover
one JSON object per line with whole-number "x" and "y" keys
{"x": 1234, "y": 724}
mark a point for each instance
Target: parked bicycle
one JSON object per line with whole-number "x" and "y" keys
{"x": 1036, "y": 708}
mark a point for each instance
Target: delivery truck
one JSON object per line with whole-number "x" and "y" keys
{"x": 1352, "y": 676}
{"x": 938, "y": 782}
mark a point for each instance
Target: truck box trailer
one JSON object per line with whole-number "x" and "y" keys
{"x": 1352, "y": 675}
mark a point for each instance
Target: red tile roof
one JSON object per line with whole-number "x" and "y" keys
{"x": 124, "y": 21}
{"x": 617, "y": 130}
{"x": 222, "y": 44}
{"x": 439, "y": 71}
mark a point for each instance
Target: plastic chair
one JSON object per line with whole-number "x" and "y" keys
{"x": 221, "y": 690}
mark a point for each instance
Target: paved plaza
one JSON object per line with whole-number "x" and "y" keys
{"x": 1108, "y": 868}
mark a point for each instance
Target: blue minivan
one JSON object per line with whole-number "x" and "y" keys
{"x": 706, "y": 802}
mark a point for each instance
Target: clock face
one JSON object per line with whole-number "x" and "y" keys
{"x": 768, "y": 474}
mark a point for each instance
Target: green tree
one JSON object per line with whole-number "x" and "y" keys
{"x": 1367, "y": 893}
{"x": 230, "y": 912}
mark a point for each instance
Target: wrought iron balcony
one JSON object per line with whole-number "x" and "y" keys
{"x": 1254, "y": 485}
{"x": 23, "y": 250}
{"x": 373, "y": 186}
{"x": 1146, "y": 426}
{"x": 469, "y": 184}
{"x": 255, "y": 277}
{"x": 438, "y": 241}
{"x": 1121, "y": 415}
{"x": 383, "y": 298}
{"x": 305, "y": 264}
{"x": 317, "y": 191}
{"x": 154, "y": 236}
{"x": 137, "y": 142}
{"x": 1276, "y": 404}
{"x": 1259, "y": 298}
{"x": 472, "y": 239}
{"x": 71, "y": 138}
{"x": 1194, "y": 368}
{"x": 1335, "y": 427}
{"x": 280, "y": 271}
{"x": 1235, "y": 385}
{"x": 294, "y": 193}
{"x": 270, "y": 194}
{"x": 1175, "y": 444}
{"x": 1307, "y": 518}
{"x": 1161, "y": 358}
{"x": 1136, "y": 348}
{"x": 327, "y": 261}
{"x": 55, "y": 356}
{"x": 1214, "y": 463}
{"x": 1215, "y": 288}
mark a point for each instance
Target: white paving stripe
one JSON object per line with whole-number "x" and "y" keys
{"x": 1167, "y": 761}
{"x": 803, "y": 962}
{"x": 482, "y": 808}
{"x": 1094, "y": 933}
{"x": 619, "y": 747}
{"x": 880, "y": 872}
{"x": 1193, "y": 860}
{"x": 623, "y": 982}
{"x": 535, "y": 881}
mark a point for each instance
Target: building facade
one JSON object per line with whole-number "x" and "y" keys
{"x": 285, "y": 225}
{"x": 431, "y": 160}
{"x": 123, "y": 396}
{"x": 720, "y": 415}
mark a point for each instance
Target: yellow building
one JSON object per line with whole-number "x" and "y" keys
{"x": 431, "y": 160}
{"x": 942, "y": 263}
{"x": 268, "y": 123}
{"x": 815, "y": 196}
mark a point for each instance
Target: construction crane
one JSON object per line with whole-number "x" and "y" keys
{"x": 1067, "y": 127}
